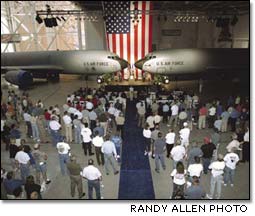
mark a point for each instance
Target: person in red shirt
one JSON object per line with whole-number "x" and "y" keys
{"x": 47, "y": 119}
{"x": 202, "y": 117}
{"x": 79, "y": 107}
{"x": 94, "y": 101}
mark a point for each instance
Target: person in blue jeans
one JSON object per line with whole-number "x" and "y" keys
{"x": 116, "y": 139}
{"x": 217, "y": 170}
{"x": 77, "y": 130}
{"x": 55, "y": 131}
{"x": 94, "y": 176}
{"x": 231, "y": 160}
{"x": 63, "y": 153}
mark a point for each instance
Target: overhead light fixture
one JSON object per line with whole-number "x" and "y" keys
{"x": 38, "y": 19}
{"x": 54, "y": 22}
{"x": 48, "y": 22}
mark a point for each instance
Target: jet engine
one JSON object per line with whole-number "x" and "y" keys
{"x": 21, "y": 78}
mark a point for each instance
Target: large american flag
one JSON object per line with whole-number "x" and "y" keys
{"x": 130, "y": 40}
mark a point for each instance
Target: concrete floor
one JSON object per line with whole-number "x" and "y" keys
{"x": 52, "y": 94}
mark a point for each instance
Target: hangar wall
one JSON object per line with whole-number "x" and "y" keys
{"x": 198, "y": 35}
{"x": 95, "y": 34}
{"x": 36, "y": 37}
{"x": 193, "y": 35}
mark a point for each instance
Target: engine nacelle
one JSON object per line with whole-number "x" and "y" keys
{"x": 19, "y": 77}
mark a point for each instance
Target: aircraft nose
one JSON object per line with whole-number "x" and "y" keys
{"x": 139, "y": 64}
{"x": 123, "y": 63}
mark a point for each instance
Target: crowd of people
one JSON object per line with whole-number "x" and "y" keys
{"x": 89, "y": 117}
{"x": 180, "y": 113}
{"x": 95, "y": 119}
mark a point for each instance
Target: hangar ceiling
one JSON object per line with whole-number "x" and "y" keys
{"x": 206, "y": 7}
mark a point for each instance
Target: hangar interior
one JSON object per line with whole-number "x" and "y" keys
{"x": 81, "y": 25}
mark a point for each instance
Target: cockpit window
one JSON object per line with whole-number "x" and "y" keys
{"x": 147, "y": 57}
{"x": 113, "y": 57}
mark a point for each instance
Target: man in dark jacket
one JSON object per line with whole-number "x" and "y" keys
{"x": 207, "y": 148}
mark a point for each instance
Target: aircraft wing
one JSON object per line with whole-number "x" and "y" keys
{"x": 33, "y": 68}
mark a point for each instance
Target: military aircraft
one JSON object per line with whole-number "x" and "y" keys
{"x": 21, "y": 67}
{"x": 196, "y": 63}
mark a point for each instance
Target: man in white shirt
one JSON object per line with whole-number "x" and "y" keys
{"x": 27, "y": 119}
{"x": 89, "y": 105}
{"x": 157, "y": 118}
{"x": 233, "y": 144}
{"x": 147, "y": 136}
{"x": 177, "y": 153}
{"x": 184, "y": 135}
{"x": 131, "y": 93}
{"x": 23, "y": 161}
{"x": 174, "y": 115}
{"x": 68, "y": 127}
{"x": 109, "y": 151}
{"x": 170, "y": 139}
{"x": 111, "y": 112}
{"x": 141, "y": 114}
{"x": 98, "y": 141}
{"x": 54, "y": 129}
{"x": 63, "y": 154}
{"x": 79, "y": 114}
{"x": 150, "y": 121}
{"x": 57, "y": 110}
{"x": 195, "y": 169}
{"x": 231, "y": 159}
{"x": 218, "y": 124}
{"x": 86, "y": 139}
{"x": 195, "y": 101}
{"x": 138, "y": 104}
{"x": 94, "y": 176}
{"x": 182, "y": 117}
{"x": 217, "y": 168}
{"x": 2, "y": 125}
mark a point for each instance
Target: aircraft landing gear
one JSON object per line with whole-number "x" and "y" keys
{"x": 53, "y": 77}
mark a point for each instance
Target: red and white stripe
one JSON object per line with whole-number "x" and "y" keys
{"x": 136, "y": 44}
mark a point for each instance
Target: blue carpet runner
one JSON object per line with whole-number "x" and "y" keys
{"x": 135, "y": 174}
